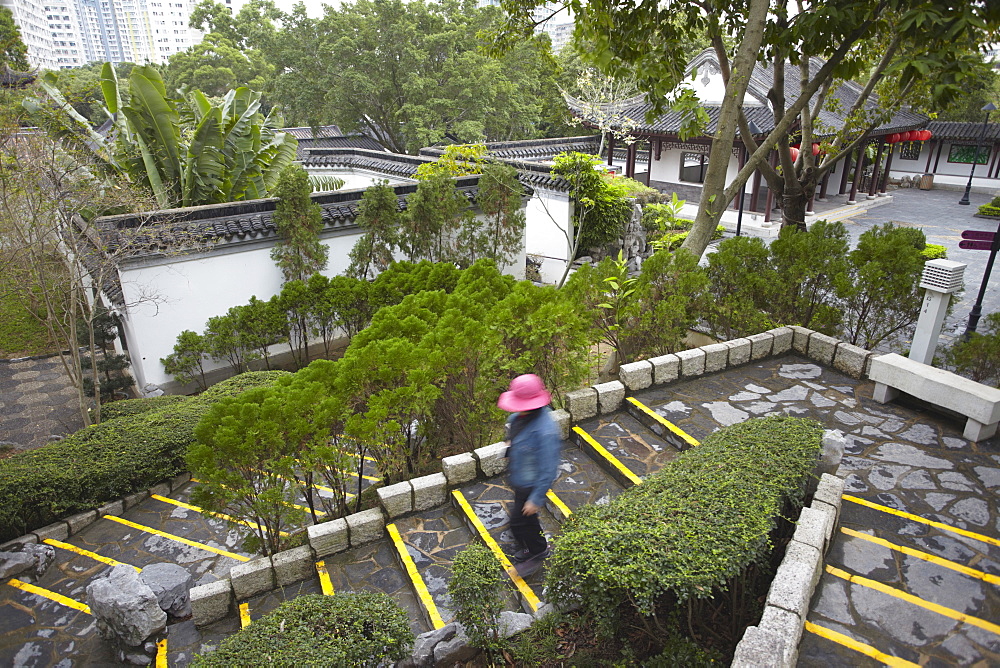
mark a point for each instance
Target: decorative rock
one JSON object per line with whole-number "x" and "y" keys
{"x": 293, "y": 565}
{"x": 760, "y": 346}
{"x": 252, "y": 577}
{"x": 563, "y": 421}
{"x": 43, "y": 556}
{"x": 171, "y": 584}
{"x": 850, "y": 359}
{"x": 125, "y": 607}
{"x": 81, "y": 521}
{"x": 329, "y": 537}
{"x": 512, "y": 623}
{"x": 610, "y": 396}
{"x": 783, "y": 337}
{"x": 16, "y": 544}
{"x": 429, "y": 491}
{"x": 492, "y": 460}
{"x": 692, "y": 362}
{"x": 582, "y": 404}
{"x": 666, "y": 368}
{"x": 396, "y": 499}
{"x": 13, "y": 564}
{"x": 151, "y": 390}
{"x": 55, "y": 531}
{"x": 366, "y": 526}
{"x": 636, "y": 375}
{"x": 800, "y": 338}
{"x": 739, "y": 351}
{"x": 459, "y": 468}
{"x": 456, "y": 650}
{"x": 716, "y": 357}
{"x": 210, "y": 602}
{"x": 832, "y": 453}
{"x": 424, "y": 644}
{"x": 544, "y": 609}
{"x": 822, "y": 348}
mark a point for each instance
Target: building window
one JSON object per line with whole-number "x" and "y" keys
{"x": 910, "y": 150}
{"x": 693, "y": 166}
{"x": 963, "y": 153}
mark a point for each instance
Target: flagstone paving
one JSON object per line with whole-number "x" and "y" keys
{"x": 897, "y": 458}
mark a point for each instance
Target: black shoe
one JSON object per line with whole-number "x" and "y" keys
{"x": 521, "y": 555}
{"x": 524, "y": 555}
{"x": 531, "y": 565}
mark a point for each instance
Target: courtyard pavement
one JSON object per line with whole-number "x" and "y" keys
{"x": 913, "y": 571}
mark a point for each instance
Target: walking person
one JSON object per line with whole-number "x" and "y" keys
{"x": 533, "y": 449}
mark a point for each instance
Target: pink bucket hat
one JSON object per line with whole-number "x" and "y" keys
{"x": 527, "y": 392}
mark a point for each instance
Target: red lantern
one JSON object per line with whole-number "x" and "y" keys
{"x": 795, "y": 153}
{"x": 893, "y": 138}
{"x": 909, "y": 136}
{"x": 796, "y": 146}
{"x": 815, "y": 149}
{"x": 925, "y": 135}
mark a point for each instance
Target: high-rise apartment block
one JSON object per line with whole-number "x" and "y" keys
{"x": 69, "y": 33}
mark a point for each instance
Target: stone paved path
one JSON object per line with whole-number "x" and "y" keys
{"x": 36, "y": 401}
{"x": 899, "y": 457}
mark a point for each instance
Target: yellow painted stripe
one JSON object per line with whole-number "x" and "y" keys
{"x": 934, "y": 559}
{"x": 915, "y": 600}
{"x": 677, "y": 431}
{"x": 221, "y": 516}
{"x": 418, "y": 582}
{"x": 518, "y": 581}
{"x": 161, "y": 654}
{"x": 244, "y": 615}
{"x": 51, "y": 595}
{"x": 918, "y": 518}
{"x": 324, "y": 578}
{"x": 87, "y": 553}
{"x": 558, "y": 503}
{"x": 602, "y": 451}
{"x": 861, "y": 647}
{"x": 179, "y": 539}
{"x": 314, "y": 486}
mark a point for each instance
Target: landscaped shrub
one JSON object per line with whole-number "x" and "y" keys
{"x": 688, "y": 529}
{"x": 979, "y": 356}
{"x": 106, "y": 461}
{"x": 363, "y": 629}
{"x": 130, "y": 407}
{"x": 991, "y": 209}
{"x": 476, "y": 595}
{"x": 934, "y": 252}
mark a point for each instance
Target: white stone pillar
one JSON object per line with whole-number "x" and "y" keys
{"x": 941, "y": 278}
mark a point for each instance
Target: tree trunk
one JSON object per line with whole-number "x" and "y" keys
{"x": 713, "y": 201}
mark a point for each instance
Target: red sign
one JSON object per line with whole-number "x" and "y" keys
{"x": 978, "y": 236}
{"x": 976, "y": 245}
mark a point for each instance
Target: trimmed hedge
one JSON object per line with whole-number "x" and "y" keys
{"x": 103, "y": 462}
{"x": 362, "y": 629}
{"x": 934, "y": 252}
{"x": 130, "y": 407}
{"x": 690, "y": 527}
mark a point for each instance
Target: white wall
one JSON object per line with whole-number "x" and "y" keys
{"x": 173, "y": 294}
{"x": 355, "y": 179}
{"x": 944, "y": 167}
{"x": 548, "y": 216}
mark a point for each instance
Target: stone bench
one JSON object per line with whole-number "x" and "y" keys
{"x": 893, "y": 374}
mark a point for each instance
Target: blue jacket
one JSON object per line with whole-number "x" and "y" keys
{"x": 534, "y": 455}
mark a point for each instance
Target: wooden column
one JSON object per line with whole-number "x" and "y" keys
{"x": 769, "y": 203}
{"x": 630, "y": 160}
{"x": 930, "y": 154}
{"x": 876, "y": 174}
{"x": 649, "y": 162}
{"x": 938, "y": 158}
{"x": 611, "y": 149}
{"x": 859, "y": 167}
{"x": 996, "y": 153}
{"x": 822, "y": 187}
{"x": 845, "y": 163}
{"x": 888, "y": 166}
{"x": 755, "y": 191}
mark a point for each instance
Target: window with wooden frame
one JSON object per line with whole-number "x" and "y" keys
{"x": 693, "y": 166}
{"x": 964, "y": 153}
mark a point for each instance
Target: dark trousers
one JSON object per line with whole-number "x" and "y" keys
{"x": 526, "y": 528}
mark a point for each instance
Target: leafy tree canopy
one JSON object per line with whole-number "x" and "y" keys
{"x": 216, "y": 65}
{"x": 13, "y": 52}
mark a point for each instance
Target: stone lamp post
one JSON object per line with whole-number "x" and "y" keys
{"x": 941, "y": 279}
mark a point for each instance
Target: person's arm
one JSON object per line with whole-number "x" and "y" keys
{"x": 549, "y": 444}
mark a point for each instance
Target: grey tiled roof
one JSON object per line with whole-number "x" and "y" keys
{"x": 968, "y": 131}
{"x": 306, "y": 132}
{"x": 380, "y": 161}
{"x": 307, "y": 146}
{"x": 761, "y": 81}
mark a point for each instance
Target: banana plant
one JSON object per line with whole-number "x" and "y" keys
{"x": 187, "y": 150}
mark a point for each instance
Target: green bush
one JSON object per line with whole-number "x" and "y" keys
{"x": 979, "y": 356}
{"x": 934, "y": 252}
{"x": 106, "y": 461}
{"x": 989, "y": 210}
{"x": 690, "y": 528}
{"x": 363, "y": 629}
{"x": 476, "y": 595}
{"x": 130, "y": 407}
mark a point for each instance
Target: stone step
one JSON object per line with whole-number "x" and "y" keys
{"x": 624, "y": 447}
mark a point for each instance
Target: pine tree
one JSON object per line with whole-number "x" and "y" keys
{"x": 299, "y": 254}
